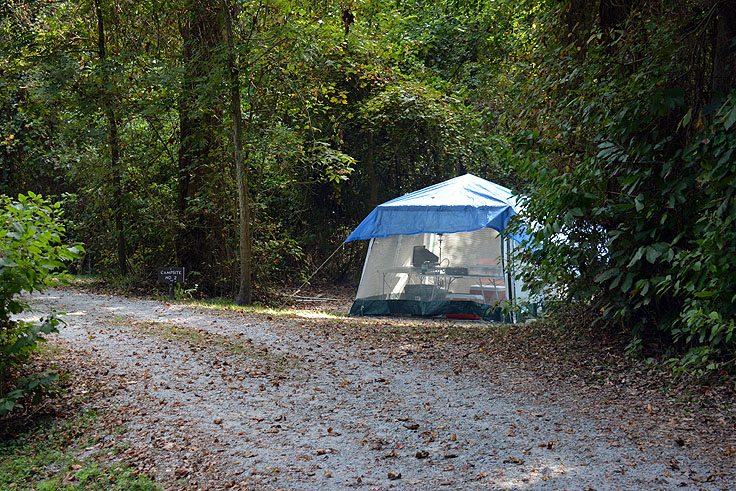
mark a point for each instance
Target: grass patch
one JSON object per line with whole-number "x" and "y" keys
{"x": 50, "y": 350}
{"x": 203, "y": 339}
{"x": 391, "y": 330}
{"x": 85, "y": 281}
{"x": 46, "y": 458}
{"x": 223, "y": 304}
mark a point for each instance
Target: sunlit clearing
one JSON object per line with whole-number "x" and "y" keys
{"x": 314, "y": 315}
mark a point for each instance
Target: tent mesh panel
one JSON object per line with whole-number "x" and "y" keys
{"x": 467, "y": 268}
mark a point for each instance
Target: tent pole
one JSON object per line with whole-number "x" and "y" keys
{"x": 505, "y": 246}
{"x": 512, "y": 283}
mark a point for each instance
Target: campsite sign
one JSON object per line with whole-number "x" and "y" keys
{"x": 171, "y": 275}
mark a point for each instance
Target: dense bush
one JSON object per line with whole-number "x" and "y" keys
{"x": 628, "y": 160}
{"x": 703, "y": 271}
{"x": 31, "y": 256}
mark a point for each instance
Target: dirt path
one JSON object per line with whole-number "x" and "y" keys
{"x": 215, "y": 400}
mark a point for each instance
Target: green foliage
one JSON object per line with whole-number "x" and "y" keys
{"x": 306, "y": 84}
{"x": 93, "y": 476}
{"x": 32, "y": 387}
{"x": 43, "y": 458}
{"x": 31, "y": 256}
{"x": 30, "y": 236}
{"x": 419, "y": 133}
{"x": 629, "y": 192}
{"x": 276, "y": 254}
{"x": 703, "y": 271}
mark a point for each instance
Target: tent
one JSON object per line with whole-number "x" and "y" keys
{"x": 438, "y": 251}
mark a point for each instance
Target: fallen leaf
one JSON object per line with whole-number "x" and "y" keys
{"x": 377, "y": 444}
{"x": 513, "y": 460}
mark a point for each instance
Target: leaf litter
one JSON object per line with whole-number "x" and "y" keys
{"x": 218, "y": 400}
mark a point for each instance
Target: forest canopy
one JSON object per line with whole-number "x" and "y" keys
{"x": 243, "y": 140}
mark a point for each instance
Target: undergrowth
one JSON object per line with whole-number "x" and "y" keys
{"x": 47, "y": 457}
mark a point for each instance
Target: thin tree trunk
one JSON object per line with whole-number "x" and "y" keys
{"x": 112, "y": 124}
{"x": 372, "y": 172}
{"x": 724, "y": 62}
{"x": 244, "y": 292}
{"x": 117, "y": 194}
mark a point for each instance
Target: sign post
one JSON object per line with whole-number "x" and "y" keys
{"x": 171, "y": 276}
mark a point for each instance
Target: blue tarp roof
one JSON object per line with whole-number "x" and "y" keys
{"x": 462, "y": 204}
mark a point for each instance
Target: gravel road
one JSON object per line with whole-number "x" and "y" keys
{"x": 225, "y": 400}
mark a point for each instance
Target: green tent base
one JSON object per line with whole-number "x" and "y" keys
{"x": 418, "y": 308}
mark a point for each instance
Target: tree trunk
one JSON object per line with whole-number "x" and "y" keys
{"x": 117, "y": 195}
{"x": 194, "y": 245}
{"x": 244, "y": 291}
{"x": 112, "y": 125}
{"x": 574, "y": 13}
{"x": 613, "y": 12}
{"x": 372, "y": 172}
{"x": 724, "y": 61}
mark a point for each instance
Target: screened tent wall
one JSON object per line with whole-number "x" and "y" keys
{"x": 468, "y": 270}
